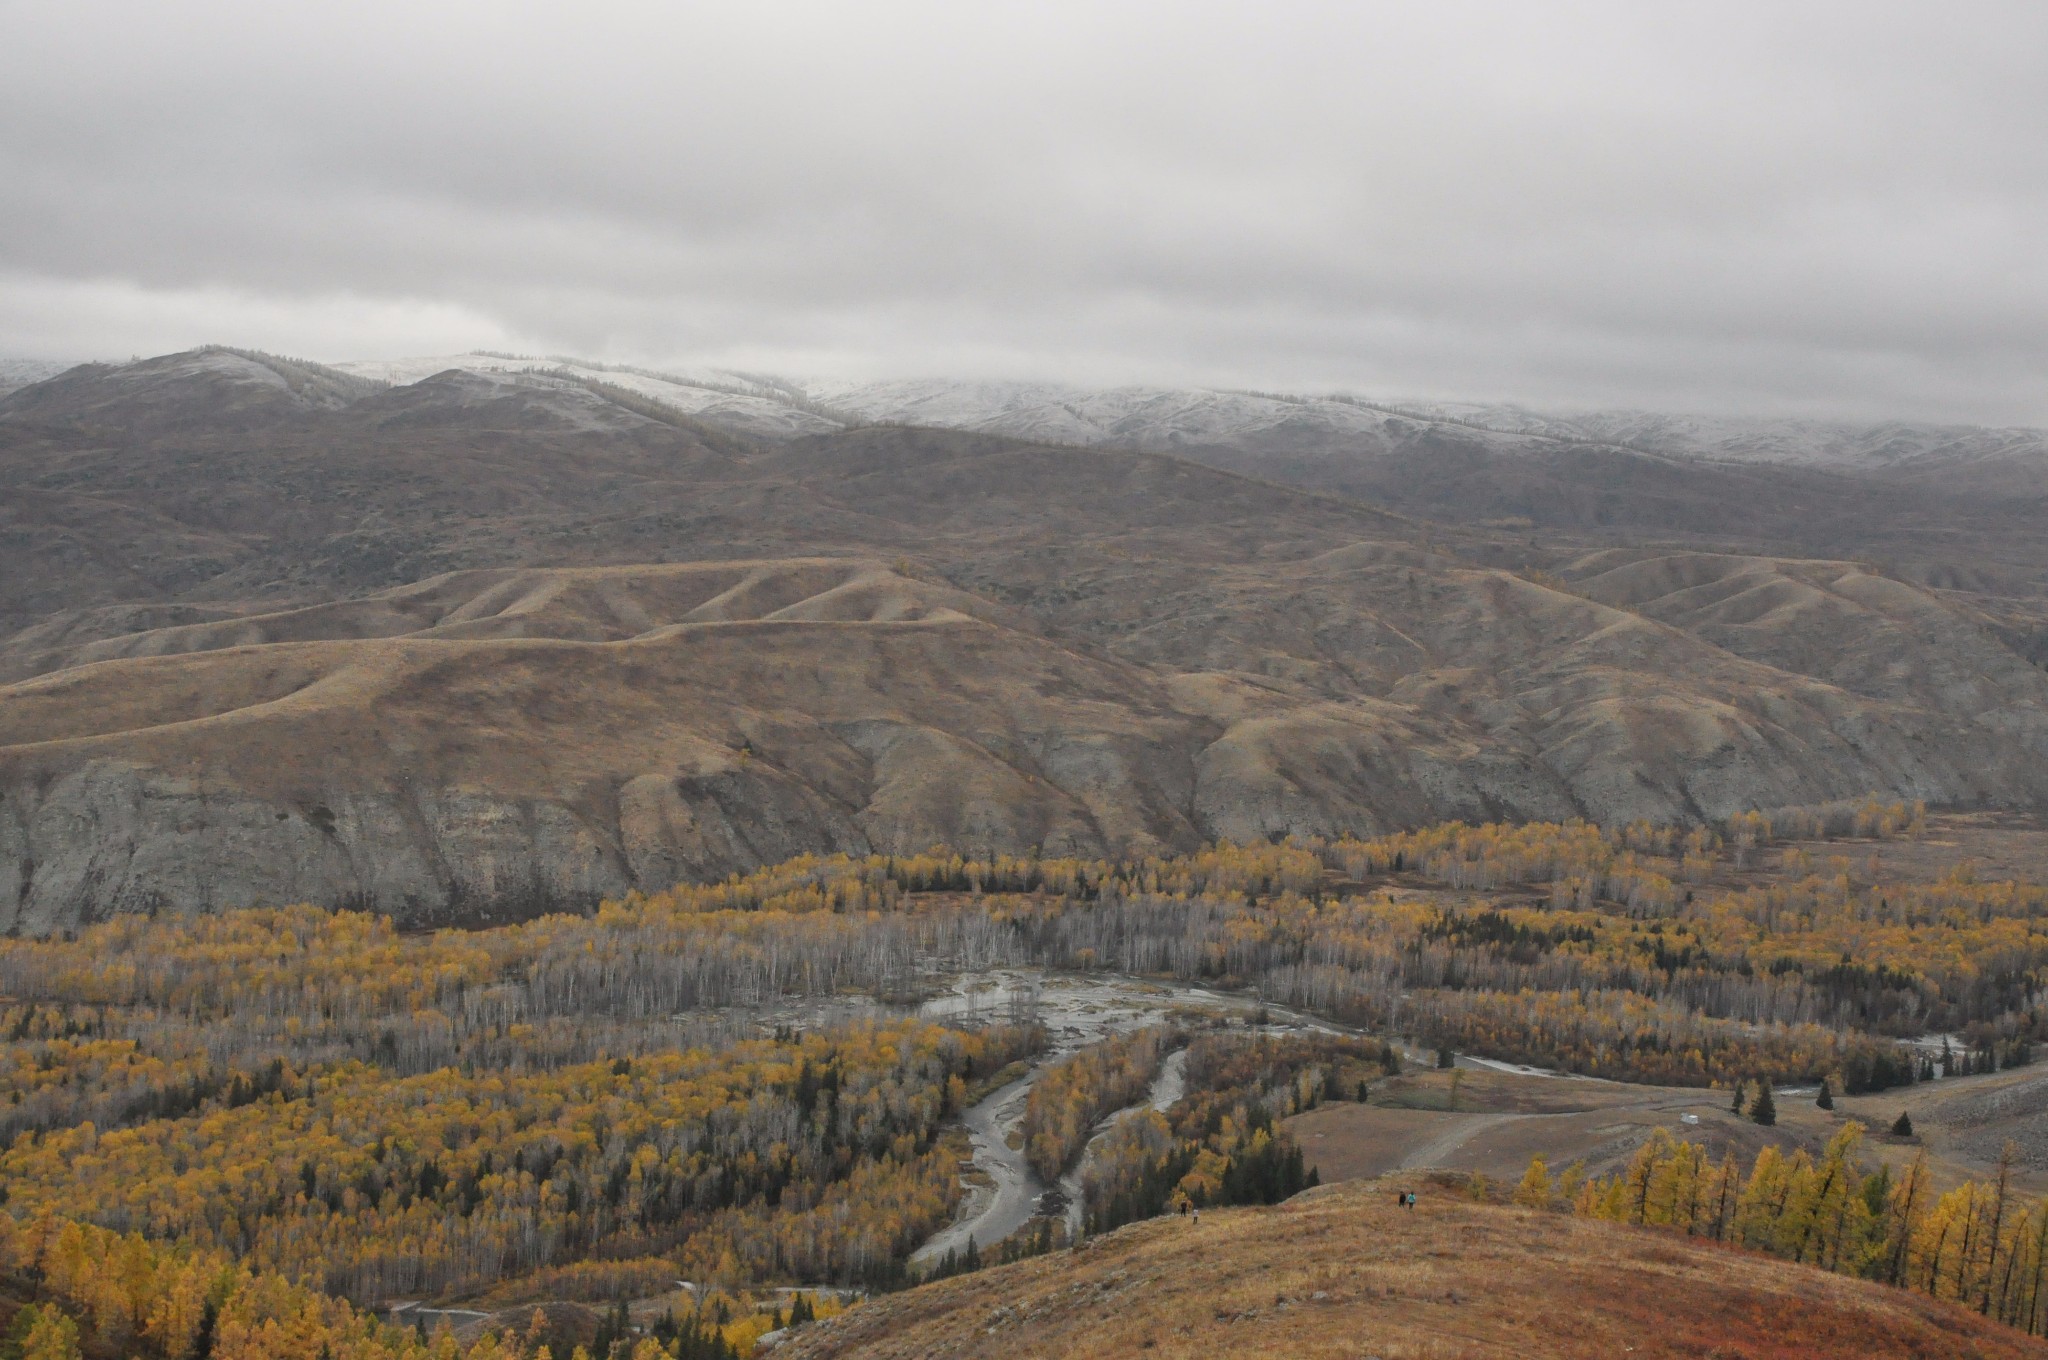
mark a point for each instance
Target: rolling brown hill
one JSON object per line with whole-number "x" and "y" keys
{"x": 493, "y": 642}
{"x": 1340, "y": 1271}
{"x": 558, "y": 735}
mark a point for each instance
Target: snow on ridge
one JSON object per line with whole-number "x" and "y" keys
{"x": 1147, "y": 417}
{"x": 719, "y": 397}
{"x": 406, "y": 371}
{"x": 1761, "y": 439}
{"x": 1166, "y": 418}
{"x": 16, "y": 374}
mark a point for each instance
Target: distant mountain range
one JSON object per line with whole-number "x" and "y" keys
{"x": 1182, "y": 418}
{"x": 1907, "y": 496}
{"x": 1893, "y": 493}
{"x": 475, "y": 637}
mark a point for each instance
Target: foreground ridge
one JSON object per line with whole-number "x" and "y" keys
{"x": 1343, "y": 1271}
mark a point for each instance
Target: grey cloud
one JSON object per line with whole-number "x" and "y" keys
{"x": 1736, "y": 207}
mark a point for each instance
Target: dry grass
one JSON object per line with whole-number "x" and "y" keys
{"x": 1342, "y": 1272}
{"x": 1997, "y": 846}
{"x": 1502, "y": 1120}
{"x": 1963, "y": 1122}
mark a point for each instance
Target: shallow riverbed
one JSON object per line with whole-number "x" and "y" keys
{"x": 1004, "y": 1193}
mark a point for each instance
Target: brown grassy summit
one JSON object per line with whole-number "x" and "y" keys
{"x": 1341, "y": 1271}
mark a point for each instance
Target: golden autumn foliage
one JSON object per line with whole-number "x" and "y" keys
{"x": 122, "y": 1292}
{"x": 1221, "y": 1142}
{"x": 371, "y": 1186}
{"x": 1978, "y": 1245}
{"x": 1077, "y": 1091}
{"x": 575, "y": 1105}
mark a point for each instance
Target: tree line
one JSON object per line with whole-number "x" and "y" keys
{"x": 1979, "y": 1244}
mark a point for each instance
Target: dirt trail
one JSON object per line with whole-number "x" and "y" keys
{"x": 1467, "y": 1127}
{"x": 1450, "y": 1140}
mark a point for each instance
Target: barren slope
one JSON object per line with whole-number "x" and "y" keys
{"x": 506, "y": 754}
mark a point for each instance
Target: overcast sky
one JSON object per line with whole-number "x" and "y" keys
{"x": 1777, "y": 207}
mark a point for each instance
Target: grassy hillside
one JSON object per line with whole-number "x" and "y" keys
{"x": 1341, "y": 1271}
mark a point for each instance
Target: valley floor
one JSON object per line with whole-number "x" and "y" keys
{"x": 1500, "y": 1120}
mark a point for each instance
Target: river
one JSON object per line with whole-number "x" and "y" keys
{"x": 1005, "y": 1193}
{"x": 1077, "y": 1009}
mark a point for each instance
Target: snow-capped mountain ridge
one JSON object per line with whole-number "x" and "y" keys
{"x": 1266, "y": 424}
{"x": 16, "y": 374}
{"x": 719, "y": 397}
{"x": 1747, "y": 438}
{"x": 1166, "y": 418}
